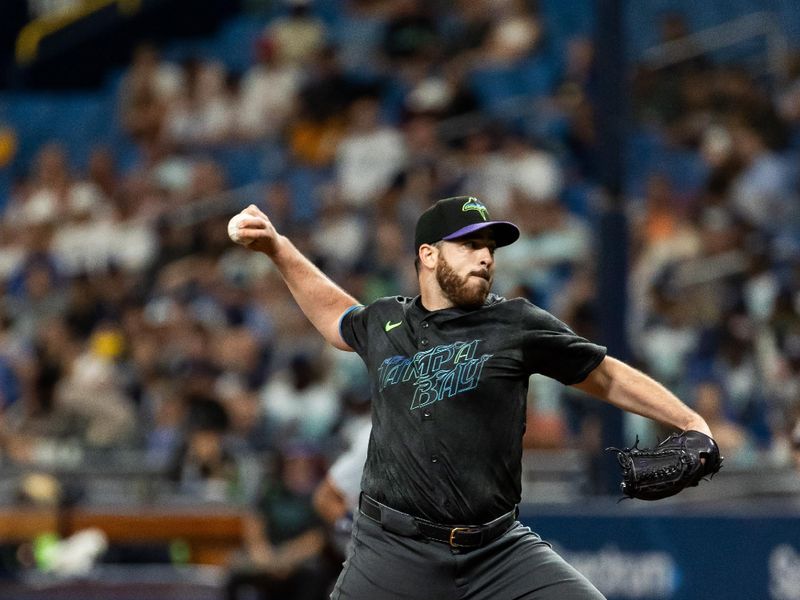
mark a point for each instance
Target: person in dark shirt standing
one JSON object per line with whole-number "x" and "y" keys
{"x": 449, "y": 373}
{"x": 285, "y": 556}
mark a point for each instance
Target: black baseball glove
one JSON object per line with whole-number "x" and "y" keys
{"x": 680, "y": 461}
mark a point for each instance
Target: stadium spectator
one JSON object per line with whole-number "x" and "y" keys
{"x": 300, "y": 402}
{"x": 336, "y": 240}
{"x": 148, "y": 87}
{"x": 369, "y": 155}
{"x": 42, "y": 198}
{"x": 204, "y": 466}
{"x": 552, "y": 243}
{"x": 268, "y": 94}
{"x": 795, "y": 441}
{"x": 285, "y": 556}
{"x": 358, "y": 121}
{"x": 298, "y": 35}
{"x": 35, "y": 294}
{"x": 83, "y": 241}
{"x": 326, "y": 93}
{"x": 516, "y": 32}
{"x": 762, "y": 193}
{"x": 709, "y": 404}
{"x": 203, "y": 112}
{"x": 532, "y": 171}
{"x": 336, "y": 497}
{"x": 164, "y": 425}
{"x": 410, "y": 32}
{"x": 482, "y": 167}
{"x": 91, "y": 393}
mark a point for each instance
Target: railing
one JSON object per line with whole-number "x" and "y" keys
{"x": 31, "y": 36}
{"x": 748, "y": 27}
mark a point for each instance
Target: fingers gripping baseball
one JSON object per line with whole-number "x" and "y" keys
{"x": 253, "y": 229}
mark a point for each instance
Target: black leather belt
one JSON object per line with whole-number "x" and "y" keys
{"x": 469, "y": 536}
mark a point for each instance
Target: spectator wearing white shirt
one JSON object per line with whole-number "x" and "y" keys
{"x": 369, "y": 155}
{"x": 299, "y": 404}
{"x": 148, "y": 87}
{"x": 267, "y": 94}
{"x": 204, "y": 112}
{"x": 762, "y": 193}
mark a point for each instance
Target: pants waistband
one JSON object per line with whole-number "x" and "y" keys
{"x": 471, "y": 536}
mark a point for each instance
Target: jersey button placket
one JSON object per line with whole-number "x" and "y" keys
{"x": 423, "y": 340}
{"x": 429, "y": 433}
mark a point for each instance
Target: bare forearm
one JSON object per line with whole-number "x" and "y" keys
{"x": 292, "y": 552}
{"x": 329, "y": 503}
{"x": 256, "y": 544}
{"x": 320, "y": 299}
{"x": 633, "y": 391}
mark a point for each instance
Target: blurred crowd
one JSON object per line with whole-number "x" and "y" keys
{"x": 126, "y": 324}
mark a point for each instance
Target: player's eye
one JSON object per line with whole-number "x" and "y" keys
{"x": 478, "y": 244}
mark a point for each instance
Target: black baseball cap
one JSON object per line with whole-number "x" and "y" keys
{"x": 453, "y": 218}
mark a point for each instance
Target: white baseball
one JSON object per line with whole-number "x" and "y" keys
{"x": 234, "y": 232}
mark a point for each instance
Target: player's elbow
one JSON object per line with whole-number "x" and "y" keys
{"x": 599, "y": 381}
{"x": 338, "y": 343}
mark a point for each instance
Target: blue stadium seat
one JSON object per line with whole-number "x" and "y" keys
{"x": 303, "y": 183}
{"x": 576, "y": 197}
{"x": 235, "y": 43}
{"x": 567, "y": 19}
{"x": 492, "y": 87}
{"x": 536, "y": 76}
{"x": 79, "y": 121}
{"x": 249, "y": 163}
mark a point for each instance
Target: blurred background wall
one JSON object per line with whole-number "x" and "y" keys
{"x": 162, "y": 397}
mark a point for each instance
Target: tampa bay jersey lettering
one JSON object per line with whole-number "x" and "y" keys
{"x": 438, "y": 373}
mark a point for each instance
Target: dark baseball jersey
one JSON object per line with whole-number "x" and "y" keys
{"x": 449, "y": 391}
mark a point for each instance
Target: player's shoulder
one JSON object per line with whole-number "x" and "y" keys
{"x": 526, "y": 311}
{"x": 388, "y": 305}
{"x": 518, "y": 303}
{"x": 499, "y": 309}
{"x": 500, "y": 303}
{"x": 391, "y": 302}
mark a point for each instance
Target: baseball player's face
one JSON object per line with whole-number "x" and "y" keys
{"x": 465, "y": 269}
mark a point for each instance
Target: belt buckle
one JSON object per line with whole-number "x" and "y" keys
{"x": 455, "y": 530}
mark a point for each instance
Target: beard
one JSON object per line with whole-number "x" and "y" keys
{"x": 461, "y": 291}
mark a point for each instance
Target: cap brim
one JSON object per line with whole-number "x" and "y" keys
{"x": 505, "y": 232}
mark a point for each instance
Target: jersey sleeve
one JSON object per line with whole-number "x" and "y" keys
{"x": 353, "y": 328}
{"x": 552, "y": 349}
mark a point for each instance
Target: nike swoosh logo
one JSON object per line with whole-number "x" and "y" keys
{"x": 389, "y": 325}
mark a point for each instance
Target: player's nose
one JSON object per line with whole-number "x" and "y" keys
{"x": 485, "y": 256}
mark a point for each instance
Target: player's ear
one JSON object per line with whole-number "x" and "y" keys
{"x": 427, "y": 255}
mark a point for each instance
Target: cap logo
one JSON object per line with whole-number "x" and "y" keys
{"x": 474, "y": 204}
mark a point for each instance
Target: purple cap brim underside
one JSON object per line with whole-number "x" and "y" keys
{"x": 477, "y": 227}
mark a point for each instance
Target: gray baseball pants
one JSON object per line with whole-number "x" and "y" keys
{"x": 519, "y": 565}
